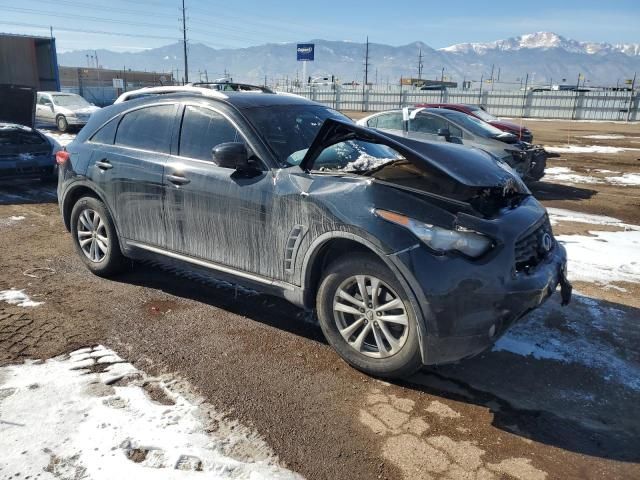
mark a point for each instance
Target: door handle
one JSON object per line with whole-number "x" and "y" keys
{"x": 104, "y": 164}
{"x": 178, "y": 179}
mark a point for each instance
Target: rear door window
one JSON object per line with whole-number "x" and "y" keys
{"x": 202, "y": 130}
{"x": 426, "y": 123}
{"x": 147, "y": 128}
{"x": 390, "y": 121}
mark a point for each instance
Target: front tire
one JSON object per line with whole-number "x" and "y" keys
{"x": 366, "y": 316}
{"x": 94, "y": 237}
{"x": 62, "y": 124}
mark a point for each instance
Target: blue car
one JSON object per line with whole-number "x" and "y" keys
{"x": 25, "y": 152}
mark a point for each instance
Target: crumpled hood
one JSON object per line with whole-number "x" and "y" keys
{"x": 18, "y": 105}
{"x": 470, "y": 167}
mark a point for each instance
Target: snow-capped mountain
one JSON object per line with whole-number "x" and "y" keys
{"x": 546, "y": 57}
{"x": 545, "y": 41}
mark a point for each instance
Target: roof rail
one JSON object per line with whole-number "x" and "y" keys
{"x": 149, "y": 91}
{"x": 231, "y": 86}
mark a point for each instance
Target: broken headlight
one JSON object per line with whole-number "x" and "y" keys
{"x": 442, "y": 240}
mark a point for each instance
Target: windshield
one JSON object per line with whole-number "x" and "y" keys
{"x": 70, "y": 101}
{"x": 290, "y": 129}
{"x": 487, "y": 117}
{"x": 473, "y": 124}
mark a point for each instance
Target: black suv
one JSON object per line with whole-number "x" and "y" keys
{"x": 411, "y": 253}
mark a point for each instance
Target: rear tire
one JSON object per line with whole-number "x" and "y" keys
{"x": 377, "y": 332}
{"x": 62, "y": 124}
{"x": 95, "y": 238}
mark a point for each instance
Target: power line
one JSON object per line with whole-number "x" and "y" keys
{"x": 86, "y": 17}
{"x": 105, "y": 9}
{"x": 80, "y": 30}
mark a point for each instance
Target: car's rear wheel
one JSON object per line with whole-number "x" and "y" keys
{"x": 367, "y": 317}
{"x": 61, "y": 123}
{"x": 95, "y": 238}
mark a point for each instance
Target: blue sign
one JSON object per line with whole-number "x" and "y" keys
{"x": 305, "y": 51}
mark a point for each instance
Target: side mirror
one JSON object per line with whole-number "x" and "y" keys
{"x": 444, "y": 132}
{"x": 231, "y": 155}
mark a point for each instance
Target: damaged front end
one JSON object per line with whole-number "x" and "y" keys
{"x": 468, "y": 179}
{"x": 477, "y": 253}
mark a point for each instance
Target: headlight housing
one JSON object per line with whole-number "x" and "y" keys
{"x": 442, "y": 240}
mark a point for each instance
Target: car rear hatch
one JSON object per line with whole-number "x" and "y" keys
{"x": 17, "y": 105}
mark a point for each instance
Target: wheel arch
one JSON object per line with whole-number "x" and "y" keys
{"x": 75, "y": 193}
{"x": 319, "y": 256}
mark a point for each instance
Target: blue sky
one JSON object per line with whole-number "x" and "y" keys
{"x": 140, "y": 24}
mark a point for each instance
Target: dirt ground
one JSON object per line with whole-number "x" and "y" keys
{"x": 499, "y": 415}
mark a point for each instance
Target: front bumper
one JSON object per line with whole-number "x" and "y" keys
{"x": 467, "y": 305}
{"x": 40, "y": 167}
{"x": 77, "y": 121}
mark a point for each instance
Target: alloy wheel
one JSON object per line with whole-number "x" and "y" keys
{"x": 92, "y": 235}
{"x": 370, "y": 316}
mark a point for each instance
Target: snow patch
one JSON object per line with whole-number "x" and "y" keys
{"x": 603, "y": 256}
{"x": 564, "y": 174}
{"x": 578, "y": 341}
{"x": 17, "y": 297}
{"x": 625, "y": 179}
{"x": 64, "y": 421}
{"x": 6, "y": 222}
{"x": 63, "y": 139}
{"x": 605, "y": 137}
{"x": 562, "y": 215}
{"x": 586, "y": 149}
{"x": 366, "y": 162}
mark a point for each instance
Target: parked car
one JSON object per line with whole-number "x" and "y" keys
{"x": 25, "y": 152}
{"x": 522, "y": 132}
{"x": 411, "y": 253}
{"x": 442, "y": 125}
{"x": 63, "y": 110}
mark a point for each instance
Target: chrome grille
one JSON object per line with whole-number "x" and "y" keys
{"x": 534, "y": 247}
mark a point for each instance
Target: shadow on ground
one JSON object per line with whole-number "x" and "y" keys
{"x": 19, "y": 192}
{"x": 555, "y": 191}
{"x": 563, "y": 404}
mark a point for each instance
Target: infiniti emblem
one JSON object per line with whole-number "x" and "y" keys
{"x": 546, "y": 242}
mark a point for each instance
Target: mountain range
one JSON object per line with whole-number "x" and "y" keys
{"x": 546, "y": 57}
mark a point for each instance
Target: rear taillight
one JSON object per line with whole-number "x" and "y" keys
{"x": 62, "y": 157}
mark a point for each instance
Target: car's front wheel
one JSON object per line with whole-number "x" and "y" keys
{"x": 366, "y": 316}
{"x": 62, "y": 124}
{"x": 95, "y": 238}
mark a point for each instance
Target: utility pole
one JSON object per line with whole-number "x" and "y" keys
{"x": 420, "y": 64}
{"x": 366, "y": 72}
{"x": 633, "y": 86}
{"x": 184, "y": 43}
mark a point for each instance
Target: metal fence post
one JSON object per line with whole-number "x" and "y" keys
{"x": 577, "y": 106}
{"x": 336, "y": 103}
{"x": 634, "y": 107}
{"x": 365, "y": 100}
{"x": 528, "y": 103}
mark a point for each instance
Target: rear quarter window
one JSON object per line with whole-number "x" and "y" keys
{"x": 148, "y": 128}
{"x": 107, "y": 133}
